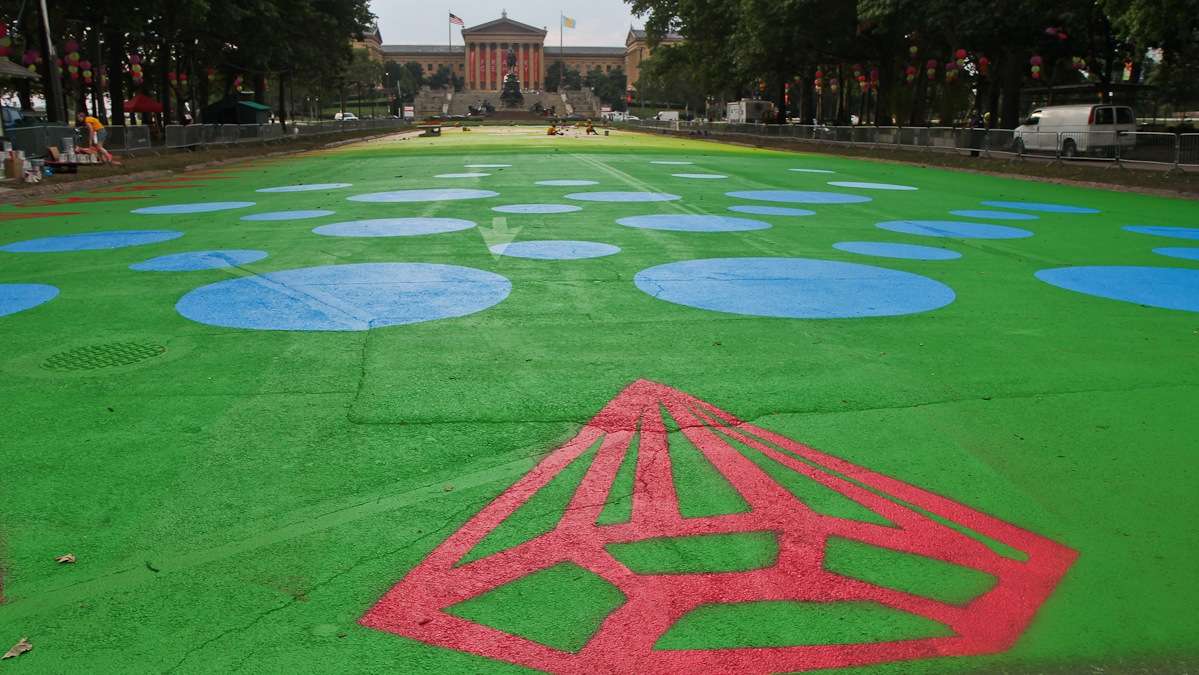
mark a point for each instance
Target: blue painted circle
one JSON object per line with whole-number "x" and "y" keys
{"x": 870, "y": 186}
{"x": 1165, "y": 231}
{"x": 902, "y": 251}
{"x": 683, "y": 222}
{"x": 92, "y": 241}
{"x": 567, "y": 183}
{"x": 1043, "y": 208}
{"x": 198, "y": 260}
{"x": 555, "y": 250}
{"x": 345, "y": 297}
{"x": 799, "y": 197}
{"x": 811, "y": 171}
{"x": 288, "y": 215}
{"x": 310, "y": 187}
{"x": 19, "y": 297}
{"x": 487, "y": 166}
{"x": 1181, "y": 252}
{"x": 469, "y": 174}
{"x": 393, "y": 227}
{"x": 771, "y": 210}
{"x": 993, "y": 215}
{"x": 433, "y": 195}
{"x": 671, "y": 163}
{"x": 537, "y": 208}
{"x": 953, "y": 228}
{"x": 203, "y": 207}
{"x": 796, "y": 288}
{"x": 700, "y": 176}
{"x": 1164, "y": 287}
{"x": 622, "y": 196}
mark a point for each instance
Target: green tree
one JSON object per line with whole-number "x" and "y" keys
{"x": 571, "y": 78}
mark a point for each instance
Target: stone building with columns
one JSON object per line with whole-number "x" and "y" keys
{"x": 481, "y": 62}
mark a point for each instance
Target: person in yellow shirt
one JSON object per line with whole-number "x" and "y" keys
{"x": 96, "y": 134}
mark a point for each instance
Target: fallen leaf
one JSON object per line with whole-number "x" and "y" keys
{"x": 18, "y": 649}
{"x": 68, "y": 559}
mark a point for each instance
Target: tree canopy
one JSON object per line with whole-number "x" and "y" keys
{"x": 185, "y": 52}
{"x": 909, "y": 61}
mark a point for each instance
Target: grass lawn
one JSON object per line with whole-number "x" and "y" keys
{"x": 245, "y": 454}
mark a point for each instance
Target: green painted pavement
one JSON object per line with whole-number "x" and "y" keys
{"x": 242, "y": 499}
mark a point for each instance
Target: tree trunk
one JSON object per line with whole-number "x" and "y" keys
{"x": 1010, "y": 113}
{"x": 51, "y": 81}
{"x": 260, "y": 88}
{"x": 884, "y": 97}
{"x": 283, "y": 101}
{"x": 116, "y": 89}
{"x": 780, "y": 93}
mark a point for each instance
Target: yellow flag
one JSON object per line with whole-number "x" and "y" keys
{"x": 568, "y": 22}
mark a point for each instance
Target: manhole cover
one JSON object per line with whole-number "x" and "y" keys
{"x": 95, "y": 357}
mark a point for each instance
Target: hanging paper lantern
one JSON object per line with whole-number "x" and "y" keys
{"x": 211, "y": 72}
{"x": 135, "y": 59}
{"x": 171, "y": 76}
{"x": 930, "y": 69}
{"x": 913, "y": 50}
{"x": 984, "y": 65}
{"x": 833, "y": 85}
{"x": 1078, "y": 63}
{"x": 1035, "y": 60}
{"x": 960, "y": 54}
{"x": 85, "y": 65}
{"x": 910, "y": 74}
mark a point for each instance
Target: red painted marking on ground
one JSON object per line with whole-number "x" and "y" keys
{"x": 144, "y": 188}
{"x": 42, "y": 214}
{"x": 992, "y": 622}
{"x": 189, "y": 179}
{"x": 71, "y": 200}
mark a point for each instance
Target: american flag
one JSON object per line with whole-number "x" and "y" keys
{"x": 456, "y": 20}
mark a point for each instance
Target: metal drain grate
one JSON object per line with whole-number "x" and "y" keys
{"x": 95, "y": 357}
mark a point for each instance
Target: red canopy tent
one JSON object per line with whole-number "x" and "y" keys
{"x": 142, "y": 104}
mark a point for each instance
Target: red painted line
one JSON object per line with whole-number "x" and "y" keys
{"x": 415, "y": 607}
{"x": 42, "y": 214}
{"x": 70, "y": 200}
{"x": 144, "y": 188}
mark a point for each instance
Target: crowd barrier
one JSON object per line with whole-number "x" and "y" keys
{"x": 1177, "y": 150}
{"x": 34, "y": 140}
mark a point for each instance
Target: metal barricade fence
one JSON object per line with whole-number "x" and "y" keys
{"x": 1083, "y": 144}
{"x": 1086, "y": 144}
{"x": 1000, "y": 142}
{"x": 1035, "y": 143}
{"x": 1188, "y": 149}
{"x": 33, "y": 141}
{"x": 941, "y": 138}
{"x": 1149, "y": 147}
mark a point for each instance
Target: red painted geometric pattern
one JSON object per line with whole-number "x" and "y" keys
{"x": 624, "y": 642}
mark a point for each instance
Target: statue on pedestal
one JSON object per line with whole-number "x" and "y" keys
{"x": 510, "y": 94}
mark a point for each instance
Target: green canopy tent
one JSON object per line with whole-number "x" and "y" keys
{"x": 232, "y": 111}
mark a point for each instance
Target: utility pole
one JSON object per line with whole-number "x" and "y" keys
{"x": 55, "y": 110}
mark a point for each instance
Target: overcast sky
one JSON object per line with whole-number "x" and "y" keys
{"x": 600, "y": 23}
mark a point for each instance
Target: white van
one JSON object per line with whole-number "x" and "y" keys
{"x": 1089, "y": 129}
{"x": 667, "y": 116}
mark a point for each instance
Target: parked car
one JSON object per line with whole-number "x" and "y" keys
{"x": 345, "y": 117}
{"x": 1089, "y": 129}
